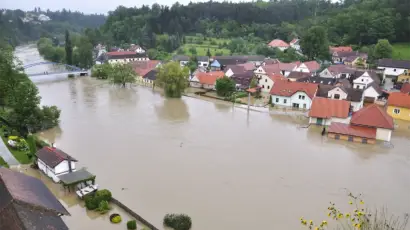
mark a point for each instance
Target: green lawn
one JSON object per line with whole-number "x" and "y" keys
{"x": 19, "y": 155}
{"x": 201, "y": 46}
{"x": 401, "y": 51}
{"x": 3, "y": 163}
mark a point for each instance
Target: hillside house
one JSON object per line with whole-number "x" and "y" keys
{"x": 182, "y": 59}
{"x": 26, "y": 203}
{"x": 295, "y": 44}
{"x": 348, "y": 57}
{"x": 393, "y": 68}
{"x": 324, "y": 111}
{"x": 279, "y": 44}
{"x": 136, "y": 48}
{"x": 54, "y": 162}
{"x": 293, "y": 94}
{"x": 398, "y": 105}
{"x": 125, "y": 57}
{"x": 333, "y": 49}
{"x": 203, "y": 61}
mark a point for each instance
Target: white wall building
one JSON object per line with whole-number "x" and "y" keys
{"x": 53, "y": 162}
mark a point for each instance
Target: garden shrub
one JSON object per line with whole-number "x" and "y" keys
{"x": 103, "y": 195}
{"x": 132, "y": 225}
{"x": 14, "y": 138}
{"x": 103, "y": 207}
{"x": 178, "y": 221}
{"x": 115, "y": 218}
{"x": 90, "y": 202}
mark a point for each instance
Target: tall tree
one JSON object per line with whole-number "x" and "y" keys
{"x": 383, "y": 49}
{"x": 121, "y": 74}
{"x": 173, "y": 78}
{"x": 68, "y": 48}
{"x": 315, "y": 44}
{"x": 225, "y": 86}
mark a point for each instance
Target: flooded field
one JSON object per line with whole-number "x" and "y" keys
{"x": 226, "y": 168}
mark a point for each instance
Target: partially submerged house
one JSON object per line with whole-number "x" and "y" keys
{"x": 324, "y": 111}
{"x": 354, "y": 96}
{"x": 398, "y": 105}
{"x": 367, "y": 125}
{"x": 293, "y": 94}
{"x": 207, "y": 80}
{"x": 27, "y": 204}
{"x": 54, "y": 162}
{"x": 144, "y": 69}
{"x": 243, "y": 79}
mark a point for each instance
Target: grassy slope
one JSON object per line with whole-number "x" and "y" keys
{"x": 201, "y": 49}
{"x": 19, "y": 155}
{"x": 3, "y": 163}
{"x": 401, "y": 51}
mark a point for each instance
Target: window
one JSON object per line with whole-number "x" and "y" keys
{"x": 285, "y": 101}
{"x": 266, "y": 80}
{"x": 301, "y": 97}
{"x": 362, "y": 79}
{"x": 277, "y": 100}
{"x": 268, "y": 86}
{"x": 336, "y": 96}
{"x": 263, "y": 86}
{"x": 350, "y": 138}
{"x": 304, "y": 106}
{"x": 357, "y": 87}
{"x": 337, "y": 136}
{"x": 396, "y": 111}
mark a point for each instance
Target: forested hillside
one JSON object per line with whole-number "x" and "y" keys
{"x": 356, "y": 22}
{"x": 17, "y": 26}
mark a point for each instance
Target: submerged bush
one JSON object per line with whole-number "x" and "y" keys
{"x": 132, "y": 225}
{"x": 103, "y": 195}
{"x": 115, "y": 218}
{"x": 178, "y": 221}
{"x": 103, "y": 207}
{"x": 90, "y": 202}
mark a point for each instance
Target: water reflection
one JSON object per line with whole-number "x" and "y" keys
{"x": 121, "y": 97}
{"x": 223, "y": 107}
{"x": 173, "y": 109}
{"x": 73, "y": 90}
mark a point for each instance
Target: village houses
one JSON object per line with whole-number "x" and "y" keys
{"x": 369, "y": 82}
{"x": 293, "y": 94}
{"x": 125, "y": 57}
{"x": 54, "y": 162}
{"x": 398, "y": 105}
{"x": 340, "y": 92}
{"x": 146, "y": 70}
{"x": 337, "y": 71}
{"x": 393, "y": 68}
{"x": 295, "y": 44}
{"x": 206, "y": 80}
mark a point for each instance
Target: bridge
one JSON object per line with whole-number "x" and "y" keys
{"x": 69, "y": 69}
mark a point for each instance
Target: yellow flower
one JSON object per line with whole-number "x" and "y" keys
{"x": 304, "y": 222}
{"x": 350, "y": 202}
{"x": 361, "y": 202}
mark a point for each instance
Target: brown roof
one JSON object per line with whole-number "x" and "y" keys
{"x": 327, "y": 108}
{"x": 340, "y": 49}
{"x": 278, "y": 43}
{"x": 143, "y": 67}
{"x": 248, "y": 66}
{"x": 357, "y": 131}
{"x": 312, "y": 65}
{"x": 209, "y": 78}
{"x": 399, "y": 99}
{"x": 52, "y": 156}
{"x": 235, "y": 68}
{"x": 298, "y": 75}
{"x": 288, "y": 88}
{"x": 337, "y": 69}
{"x": 405, "y": 88}
{"x": 372, "y": 116}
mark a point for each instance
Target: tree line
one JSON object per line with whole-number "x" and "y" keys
{"x": 360, "y": 22}
{"x": 20, "y": 99}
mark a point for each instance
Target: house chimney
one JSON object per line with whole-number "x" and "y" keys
{"x": 69, "y": 165}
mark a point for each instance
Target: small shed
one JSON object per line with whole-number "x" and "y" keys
{"x": 81, "y": 180}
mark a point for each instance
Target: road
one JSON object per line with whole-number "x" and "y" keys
{"x": 6, "y": 154}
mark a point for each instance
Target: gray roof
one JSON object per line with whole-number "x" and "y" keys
{"x": 235, "y": 68}
{"x": 402, "y": 64}
{"x": 352, "y": 94}
{"x": 202, "y": 58}
{"x": 180, "y": 58}
{"x": 79, "y": 175}
{"x": 318, "y": 80}
{"x": 299, "y": 75}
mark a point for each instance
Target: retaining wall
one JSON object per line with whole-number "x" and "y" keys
{"x": 133, "y": 214}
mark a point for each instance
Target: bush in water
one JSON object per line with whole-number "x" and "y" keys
{"x": 132, "y": 225}
{"x": 90, "y": 202}
{"x": 103, "y": 194}
{"x": 103, "y": 207}
{"x": 178, "y": 221}
{"x": 115, "y": 218}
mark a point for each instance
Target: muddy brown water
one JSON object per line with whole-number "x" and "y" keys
{"x": 226, "y": 168}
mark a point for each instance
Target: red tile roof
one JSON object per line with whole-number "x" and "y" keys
{"x": 357, "y": 131}
{"x": 143, "y": 67}
{"x": 372, "y": 116}
{"x": 248, "y": 66}
{"x": 288, "y": 88}
{"x": 294, "y": 41}
{"x": 277, "y": 77}
{"x": 399, "y": 100}
{"x": 327, "y": 108}
{"x": 340, "y": 49}
{"x": 209, "y": 78}
{"x": 120, "y": 53}
{"x": 278, "y": 43}
{"x": 52, "y": 156}
{"x": 312, "y": 65}
{"x": 405, "y": 88}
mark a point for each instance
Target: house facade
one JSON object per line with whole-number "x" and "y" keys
{"x": 125, "y": 57}
{"x": 203, "y": 61}
{"x": 182, "y": 59}
{"x": 308, "y": 67}
{"x": 392, "y": 67}
{"x": 404, "y": 77}
{"x": 398, "y": 106}
{"x": 295, "y": 44}
{"x": 337, "y": 71}
{"x": 53, "y": 162}
{"x": 293, "y": 94}
{"x": 324, "y": 111}
{"x": 207, "y": 80}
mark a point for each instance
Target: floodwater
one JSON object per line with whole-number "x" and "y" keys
{"x": 224, "y": 167}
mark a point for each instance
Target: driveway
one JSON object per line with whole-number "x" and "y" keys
{"x": 6, "y": 154}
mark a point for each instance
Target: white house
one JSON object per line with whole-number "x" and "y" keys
{"x": 137, "y": 49}
{"x": 307, "y": 67}
{"x": 125, "y": 57}
{"x": 182, "y": 59}
{"x": 393, "y": 67}
{"x": 293, "y": 94}
{"x": 337, "y": 71}
{"x": 363, "y": 81}
{"x": 203, "y": 61}
{"x": 295, "y": 44}
{"x": 324, "y": 111}
{"x": 231, "y": 70}
{"x": 53, "y": 162}
{"x": 372, "y": 92}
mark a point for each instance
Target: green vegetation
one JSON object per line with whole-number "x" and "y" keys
{"x": 401, "y": 51}
{"x": 103, "y": 207}
{"x": 98, "y": 201}
{"x": 121, "y": 74}
{"x": 178, "y": 221}
{"x": 21, "y": 151}
{"x": 198, "y": 46}
{"x": 115, "y": 218}
{"x": 173, "y": 78}
{"x": 382, "y": 49}
{"x": 3, "y": 163}
{"x": 101, "y": 71}
{"x": 225, "y": 86}
{"x": 132, "y": 225}
{"x": 359, "y": 217}
{"x": 315, "y": 44}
